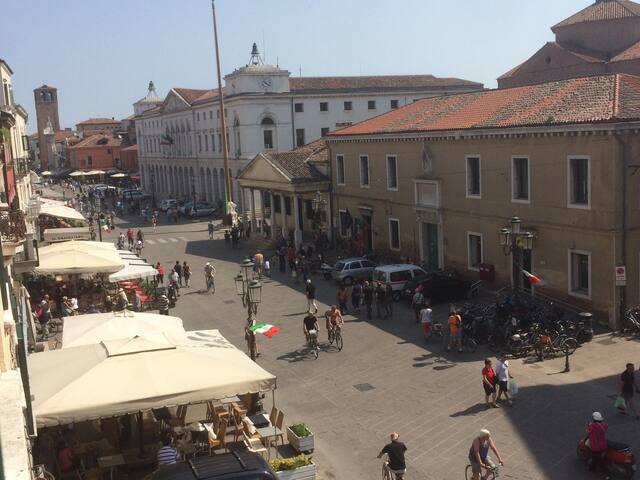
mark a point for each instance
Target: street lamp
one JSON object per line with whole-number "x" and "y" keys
{"x": 193, "y": 195}
{"x": 319, "y": 209}
{"x": 250, "y": 291}
{"x": 514, "y": 241}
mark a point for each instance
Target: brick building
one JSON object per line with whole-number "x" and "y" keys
{"x": 94, "y": 126}
{"x": 96, "y": 152}
{"x": 603, "y": 38}
{"x": 46, "y": 101}
{"x": 129, "y": 158}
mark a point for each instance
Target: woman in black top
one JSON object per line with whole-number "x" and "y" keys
{"x": 628, "y": 386}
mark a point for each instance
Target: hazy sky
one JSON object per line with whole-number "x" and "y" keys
{"x": 101, "y": 54}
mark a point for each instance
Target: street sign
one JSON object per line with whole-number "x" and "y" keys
{"x": 621, "y": 276}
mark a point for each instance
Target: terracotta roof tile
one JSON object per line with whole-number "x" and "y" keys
{"x": 130, "y": 148}
{"x": 578, "y": 100}
{"x": 376, "y": 82}
{"x": 602, "y": 10}
{"x": 98, "y": 121}
{"x": 299, "y": 163}
{"x": 61, "y": 135}
{"x": 630, "y": 53}
{"x": 99, "y": 140}
{"x": 192, "y": 95}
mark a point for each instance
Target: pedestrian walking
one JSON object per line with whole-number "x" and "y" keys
{"x": 282, "y": 252}
{"x": 186, "y": 273}
{"x": 628, "y": 386}
{"x": 388, "y": 301}
{"x": 425, "y": 320}
{"x": 342, "y": 296}
{"x": 489, "y": 384}
{"x": 209, "y": 277}
{"x": 291, "y": 257}
{"x": 174, "y": 279}
{"x": 130, "y": 238}
{"x": 267, "y": 267}
{"x": 138, "y": 248}
{"x": 163, "y": 304}
{"x": 178, "y": 269}
{"x": 258, "y": 263}
{"x": 356, "y": 296}
{"x": 311, "y": 297}
{"x": 367, "y": 293}
{"x": 380, "y": 293}
{"x": 154, "y": 221}
{"x": 140, "y": 237}
{"x": 160, "y": 270}
{"x": 210, "y": 229}
{"x": 504, "y": 375}
{"x": 416, "y": 302}
{"x": 455, "y": 331}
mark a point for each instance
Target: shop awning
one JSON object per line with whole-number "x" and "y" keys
{"x": 134, "y": 267}
{"x": 94, "y": 328}
{"x": 60, "y": 211}
{"x": 116, "y": 377}
{"x": 52, "y": 235}
{"x": 76, "y": 257}
{"x": 95, "y": 172}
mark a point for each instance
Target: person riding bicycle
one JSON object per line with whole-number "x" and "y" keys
{"x": 209, "y": 275}
{"x": 333, "y": 317}
{"x": 395, "y": 451}
{"x": 479, "y": 453}
{"x": 309, "y": 323}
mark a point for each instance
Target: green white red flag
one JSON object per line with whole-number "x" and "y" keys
{"x": 533, "y": 279}
{"x": 265, "y": 329}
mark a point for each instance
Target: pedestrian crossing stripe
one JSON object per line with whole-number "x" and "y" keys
{"x": 162, "y": 240}
{"x": 151, "y": 242}
{"x": 174, "y": 240}
{"x": 183, "y": 239}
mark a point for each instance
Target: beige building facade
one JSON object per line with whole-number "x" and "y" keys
{"x": 443, "y": 196}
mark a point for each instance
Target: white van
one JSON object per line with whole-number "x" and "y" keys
{"x": 397, "y": 276}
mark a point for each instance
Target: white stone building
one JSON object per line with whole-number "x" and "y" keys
{"x": 266, "y": 110}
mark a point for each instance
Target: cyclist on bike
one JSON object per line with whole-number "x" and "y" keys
{"x": 479, "y": 453}
{"x": 310, "y": 323}
{"x": 209, "y": 276}
{"x": 334, "y": 317}
{"x": 395, "y": 451}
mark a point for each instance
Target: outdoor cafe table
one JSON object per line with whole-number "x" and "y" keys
{"x": 266, "y": 433}
{"x": 110, "y": 463}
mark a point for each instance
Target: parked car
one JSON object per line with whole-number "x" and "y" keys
{"x": 185, "y": 207}
{"x": 350, "y": 269}
{"x": 202, "y": 209}
{"x": 439, "y": 287}
{"x": 131, "y": 194}
{"x": 237, "y": 465}
{"x": 397, "y": 276}
{"x": 167, "y": 203}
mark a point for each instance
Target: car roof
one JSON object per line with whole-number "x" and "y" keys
{"x": 215, "y": 467}
{"x": 398, "y": 266}
{"x": 352, "y": 259}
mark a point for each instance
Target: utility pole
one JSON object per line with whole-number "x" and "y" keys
{"x": 225, "y": 147}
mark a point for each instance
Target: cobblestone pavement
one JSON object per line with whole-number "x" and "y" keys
{"x": 387, "y": 379}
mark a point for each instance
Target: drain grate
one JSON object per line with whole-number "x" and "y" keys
{"x": 364, "y": 387}
{"x": 229, "y": 302}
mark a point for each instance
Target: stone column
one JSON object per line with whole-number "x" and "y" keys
{"x": 272, "y": 216}
{"x": 283, "y": 217}
{"x": 254, "y": 223}
{"x": 297, "y": 232}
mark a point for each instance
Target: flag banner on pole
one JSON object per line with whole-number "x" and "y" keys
{"x": 265, "y": 329}
{"x": 533, "y": 279}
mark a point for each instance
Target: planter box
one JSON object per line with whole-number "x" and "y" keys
{"x": 300, "y": 444}
{"x": 308, "y": 472}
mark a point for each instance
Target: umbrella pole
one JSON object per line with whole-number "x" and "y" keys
{"x": 140, "y": 434}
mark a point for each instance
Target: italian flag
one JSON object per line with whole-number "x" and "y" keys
{"x": 265, "y": 329}
{"x": 534, "y": 279}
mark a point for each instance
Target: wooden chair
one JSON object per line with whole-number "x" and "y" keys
{"x": 236, "y": 423}
{"x": 214, "y": 409}
{"x": 220, "y": 440}
{"x": 179, "y": 418}
{"x": 254, "y": 445}
{"x": 279, "y": 422}
{"x": 273, "y": 415}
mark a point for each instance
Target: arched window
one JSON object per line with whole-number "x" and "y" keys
{"x": 267, "y": 124}
{"x": 267, "y": 121}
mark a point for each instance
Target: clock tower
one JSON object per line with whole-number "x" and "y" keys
{"x": 256, "y": 77}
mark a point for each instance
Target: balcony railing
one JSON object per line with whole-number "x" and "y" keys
{"x": 13, "y": 226}
{"x": 21, "y": 166}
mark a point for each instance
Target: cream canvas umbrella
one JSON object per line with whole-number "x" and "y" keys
{"x": 77, "y": 173}
{"x": 94, "y": 328}
{"x": 60, "y": 211}
{"x": 75, "y": 257}
{"x": 116, "y": 377}
{"x": 46, "y": 173}
{"x": 95, "y": 172}
{"x": 118, "y": 175}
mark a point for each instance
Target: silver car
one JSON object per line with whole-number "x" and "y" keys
{"x": 350, "y": 269}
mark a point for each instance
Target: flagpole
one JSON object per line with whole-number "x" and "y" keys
{"x": 225, "y": 147}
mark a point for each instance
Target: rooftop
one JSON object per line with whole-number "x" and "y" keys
{"x": 595, "y": 99}
{"x": 99, "y": 140}
{"x": 379, "y": 82}
{"x": 98, "y": 121}
{"x": 602, "y": 10}
{"x": 298, "y": 163}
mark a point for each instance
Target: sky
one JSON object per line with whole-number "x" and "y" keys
{"x": 101, "y": 55}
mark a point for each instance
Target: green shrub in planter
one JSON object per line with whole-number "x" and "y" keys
{"x": 282, "y": 464}
{"x": 300, "y": 429}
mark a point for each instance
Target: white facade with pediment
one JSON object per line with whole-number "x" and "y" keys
{"x": 263, "y": 113}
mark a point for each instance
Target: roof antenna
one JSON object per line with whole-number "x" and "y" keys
{"x": 264, "y": 48}
{"x": 277, "y": 62}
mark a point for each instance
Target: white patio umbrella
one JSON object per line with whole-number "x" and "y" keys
{"x": 95, "y": 172}
{"x": 94, "y": 328}
{"x": 46, "y": 173}
{"x": 77, "y": 173}
{"x": 79, "y": 256}
{"x": 118, "y": 175}
{"x": 116, "y": 377}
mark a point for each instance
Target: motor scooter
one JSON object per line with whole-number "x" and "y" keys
{"x": 618, "y": 461}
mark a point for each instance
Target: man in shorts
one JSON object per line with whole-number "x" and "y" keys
{"x": 503, "y": 374}
{"x": 479, "y": 453}
{"x": 425, "y": 319}
{"x": 455, "y": 331}
{"x": 395, "y": 451}
{"x": 333, "y": 317}
{"x": 309, "y": 323}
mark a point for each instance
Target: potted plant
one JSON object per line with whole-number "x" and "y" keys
{"x": 294, "y": 468}
{"x": 300, "y": 437}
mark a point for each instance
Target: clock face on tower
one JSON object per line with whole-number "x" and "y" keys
{"x": 265, "y": 82}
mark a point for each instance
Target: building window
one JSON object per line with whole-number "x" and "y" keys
{"x": 392, "y": 172}
{"x": 213, "y": 143}
{"x": 579, "y": 182}
{"x": 394, "y": 104}
{"x": 343, "y": 221}
{"x": 364, "y": 171}
{"x": 394, "y": 234}
{"x": 474, "y": 250}
{"x": 206, "y": 143}
{"x": 348, "y": 106}
{"x": 580, "y": 273}
{"x": 298, "y": 107}
{"x": 197, "y": 117}
{"x": 287, "y": 206}
{"x": 340, "y": 169}
{"x": 217, "y": 113}
{"x": 220, "y": 142}
{"x": 276, "y": 204}
{"x": 210, "y": 114}
{"x": 308, "y": 209}
{"x": 371, "y": 104}
{"x": 473, "y": 177}
{"x": 324, "y": 106}
{"x": 268, "y": 139}
{"x": 225, "y": 113}
{"x": 427, "y": 194}
{"x": 520, "y": 179}
{"x": 324, "y": 131}
{"x": 299, "y": 137}
{"x": 199, "y": 143}
{"x": 89, "y": 161}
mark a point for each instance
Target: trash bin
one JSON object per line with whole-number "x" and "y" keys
{"x": 586, "y": 333}
{"x": 487, "y": 272}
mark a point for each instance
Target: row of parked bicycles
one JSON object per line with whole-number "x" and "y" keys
{"x": 523, "y": 327}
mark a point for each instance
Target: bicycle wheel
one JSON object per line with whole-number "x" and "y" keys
{"x": 316, "y": 350}
{"x": 468, "y": 472}
{"x": 386, "y": 475}
{"x": 332, "y": 336}
{"x": 569, "y": 345}
{"x": 339, "y": 343}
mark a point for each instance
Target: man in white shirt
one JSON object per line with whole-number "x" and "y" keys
{"x": 425, "y": 320}
{"x": 503, "y": 374}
